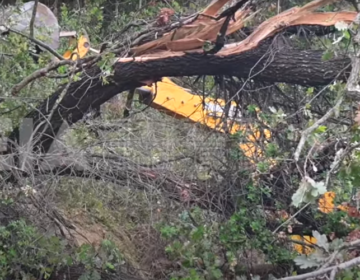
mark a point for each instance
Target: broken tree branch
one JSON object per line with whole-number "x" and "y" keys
{"x": 316, "y": 273}
{"x": 253, "y": 55}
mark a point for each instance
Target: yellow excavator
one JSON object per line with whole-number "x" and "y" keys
{"x": 170, "y": 98}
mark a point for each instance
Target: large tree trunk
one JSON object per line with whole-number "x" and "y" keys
{"x": 263, "y": 63}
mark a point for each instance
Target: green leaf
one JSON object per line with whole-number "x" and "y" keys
{"x": 198, "y": 234}
{"x": 321, "y": 129}
{"x": 327, "y": 55}
{"x": 308, "y": 191}
{"x": 110, "y": 266}
{"x": 321, "y": 240}
{"x": 62, "y": 69}
{"x": 251, "y": 108}
{"x": 310, "y": 91}
{"x": 347, "y": 34}
{"x": 348, "y": 275}
{"x": 169, "y": 231}
{"x": 217, "y": 273}
{"x": 300, "y": 195}
{"x": 319, "y": 187}
{"x": 305, "y": 262}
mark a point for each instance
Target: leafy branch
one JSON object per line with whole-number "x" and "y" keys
{"x": 38, "y": 74}
{"x": 320, "y": 272}
{"x": 37, "y": 42}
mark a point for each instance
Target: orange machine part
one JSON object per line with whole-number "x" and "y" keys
{"x": 301, "y": 249}
{"x": 81, "y": 50}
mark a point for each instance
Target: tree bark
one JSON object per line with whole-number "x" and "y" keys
{"x": 265, "y": 63}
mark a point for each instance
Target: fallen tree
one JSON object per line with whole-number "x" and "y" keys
{"x": 258, "y": 58}
{"x": 289, "y": 66}
{"x": 255, "y": 58}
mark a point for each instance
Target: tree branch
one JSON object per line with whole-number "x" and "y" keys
{"x": 37, "y": 42}
{"x": 319, "y": 272}
{"x": 306, "y": 133}
{"x": 352, "y": 89}
{"x": 38, "y": 74}
{"x": 32, "y": 20}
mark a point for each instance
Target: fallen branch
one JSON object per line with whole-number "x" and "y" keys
{"x": 214, "y": 8}
{"x": 303, "y": 68}
{"x": 193, "y": 36}
{"x": 249, "y": 56}
{"x": 345, "y": 265}
{"x": 120, "y": 171}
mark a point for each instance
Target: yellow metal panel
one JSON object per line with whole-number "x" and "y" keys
{"x": 301, "y": 249}
{"x": 176, "y": 101}
{"x": 82, "y": 48}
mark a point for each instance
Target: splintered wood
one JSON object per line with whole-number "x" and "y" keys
{"x": 214, "y": 7}
{"x": 190, "y": 38}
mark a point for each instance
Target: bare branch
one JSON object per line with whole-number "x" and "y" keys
{"x": 319, "y": 272}
{"x": 32, "y": 21}
{"x": 41, "y": 44}
{"x": 59, "y": 99}
{"x": 306, "y": 133}
{"x": 291, "y": 218}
